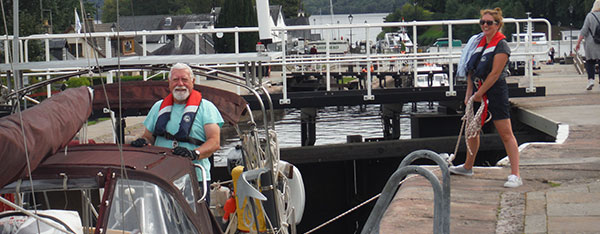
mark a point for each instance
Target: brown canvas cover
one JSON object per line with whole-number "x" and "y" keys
{"x": 141, "y": 95}
{"x": 150, "y": 163}
{"x": 45, "y": 129}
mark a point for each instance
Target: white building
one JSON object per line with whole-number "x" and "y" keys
{"x": 564, "y": 35}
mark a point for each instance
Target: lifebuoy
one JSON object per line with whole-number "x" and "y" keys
{"x": 297, "y": 196}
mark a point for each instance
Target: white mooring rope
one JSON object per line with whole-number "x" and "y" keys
{"x": 473, "y": 122}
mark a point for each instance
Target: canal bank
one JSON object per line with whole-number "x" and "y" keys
{"x": 561, "y": 181}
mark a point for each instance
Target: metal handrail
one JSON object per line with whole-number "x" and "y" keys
{"x": 390, "y": 189}
{"x": 443, "y": 164}
{"x": 441, "y": 213}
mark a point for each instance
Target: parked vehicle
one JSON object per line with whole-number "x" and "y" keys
{"x": 335, "y": 46}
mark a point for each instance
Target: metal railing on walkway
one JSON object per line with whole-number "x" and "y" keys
{"x": 277, "y": 58}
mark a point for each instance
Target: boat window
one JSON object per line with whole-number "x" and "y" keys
{"x": 184, "y": 184}
{"x": 144, "y": 207}
{"x": 73, "y": 207}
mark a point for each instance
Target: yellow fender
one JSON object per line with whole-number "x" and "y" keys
{"x": 244, "y": 217}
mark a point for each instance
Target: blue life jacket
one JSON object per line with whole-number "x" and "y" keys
{"x": 482, "y": 60}
{"x": 187, "y": 119}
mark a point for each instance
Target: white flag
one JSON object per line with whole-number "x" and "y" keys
{"x": 77, "y": 22}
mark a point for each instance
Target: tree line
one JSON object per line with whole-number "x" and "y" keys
{"x": 557, "y": 12}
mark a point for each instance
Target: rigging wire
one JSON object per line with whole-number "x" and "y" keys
{"x": 95, "y": 53}
{"x": 359, "y": 205}
{"x": 18, "y": 105}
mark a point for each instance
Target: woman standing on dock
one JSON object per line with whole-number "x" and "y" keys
{"x": 592, "y": 49}
{"x": 487, "y": 72}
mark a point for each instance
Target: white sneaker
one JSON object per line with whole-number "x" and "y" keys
{"x": 590, "y": 84}
{"x": 513, "y": 181}
{"x": 460, "y": 170}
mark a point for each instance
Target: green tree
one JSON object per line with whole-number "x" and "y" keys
{"x": 153, "y": 7}
{"x": 290, "y": 7}
{"x": 240, "y": 13}
{"x": 410, "y": 12}
{"x": 59, "y": 16}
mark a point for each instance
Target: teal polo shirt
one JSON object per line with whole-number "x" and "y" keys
{"x": 207, "y": 114}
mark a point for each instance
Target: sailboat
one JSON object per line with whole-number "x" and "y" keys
{"x": 115, "y": 188}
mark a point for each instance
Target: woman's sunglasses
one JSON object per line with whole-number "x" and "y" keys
{"x": 488, "y": 22}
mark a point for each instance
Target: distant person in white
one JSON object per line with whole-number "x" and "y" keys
{"x": 592, "y": 49}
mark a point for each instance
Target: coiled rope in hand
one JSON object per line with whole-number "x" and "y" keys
{"x": 473, "y": 122}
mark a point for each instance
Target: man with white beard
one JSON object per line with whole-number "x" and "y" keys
{"x": 185, "y": 122}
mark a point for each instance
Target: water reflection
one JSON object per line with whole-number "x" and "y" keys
{"x": 333, "y": 124}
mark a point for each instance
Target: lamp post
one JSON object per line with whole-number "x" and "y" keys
{"x": 338, "y": 35}
{"x": 571, "y": 26}
{"x": 350, "y": 17}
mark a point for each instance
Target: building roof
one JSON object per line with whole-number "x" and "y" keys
{"x": 186, "y": 46}
{"x": 274, "y": 10}
{"x": 165, "y": 22}
{"x": 58, "y": 43}
{"x": 298, "y": 33}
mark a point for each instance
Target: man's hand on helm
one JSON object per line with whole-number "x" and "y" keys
{"x": 184, "y": 152}
{"x": 140, "y": 142}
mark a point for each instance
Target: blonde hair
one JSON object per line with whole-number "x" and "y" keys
{"x": 596, "y": 6}
{"x": 496, "y": 13}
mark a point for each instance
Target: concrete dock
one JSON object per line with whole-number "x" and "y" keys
{"x": 561, "y": 181}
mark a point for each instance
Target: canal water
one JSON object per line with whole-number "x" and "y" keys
{"x": 333, "y": 124}
{"x": 332, "y": 127}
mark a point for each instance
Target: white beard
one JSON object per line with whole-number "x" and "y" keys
{"x": 181, "y": 95}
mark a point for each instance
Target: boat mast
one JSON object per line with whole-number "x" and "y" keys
{"x": 331, "y": 10}
{"x": 15, "y": 48}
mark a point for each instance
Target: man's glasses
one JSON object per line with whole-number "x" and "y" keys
{"x": 488, "y": 22}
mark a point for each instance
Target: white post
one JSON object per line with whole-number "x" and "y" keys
{"x": 450, "y": 92}
{"x": 197, "y": 44}
{"x": 328, "y": 76}
{"x": 237, "y": 52}
{"x": 107, "y": 45}
{"x": 144, "y": 46}
{"x": 77, "y": 48}
{"x": 369, "y": 65}
{"x": 26, "y": 53}
{"x": 109, "y": 77}
{"x": 530, "y": 56}
{"x": 6, "y": 48}
{"x": 285, "y": 99}
{"x": 47, "y": 49}
{"x": 21, "y": 51}
{"x": 48, "y": 87}
{"x": 415, "y": 51}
